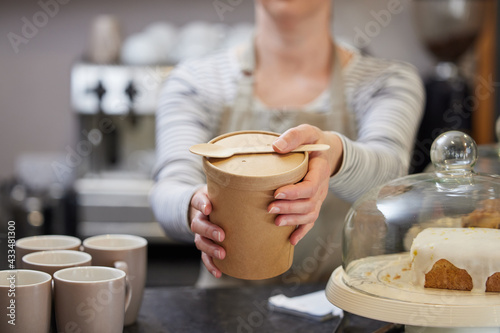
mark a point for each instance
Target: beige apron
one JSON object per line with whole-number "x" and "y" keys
{"x": 319, "y": 252}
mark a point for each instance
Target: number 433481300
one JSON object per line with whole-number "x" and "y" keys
{"x": 11, "y": 244}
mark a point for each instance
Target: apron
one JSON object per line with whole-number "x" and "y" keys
{"x": 320, "y": 251}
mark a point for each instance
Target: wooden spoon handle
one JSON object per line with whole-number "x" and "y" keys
{"x": 312, "y": 147}
{"x": 269, "y": 149}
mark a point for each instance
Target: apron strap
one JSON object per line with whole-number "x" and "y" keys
{"x": 235, "y": 117}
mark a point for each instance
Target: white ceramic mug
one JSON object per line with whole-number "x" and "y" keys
{"x": 127, "y": 252}
{"x": 31, "y": 244}
{"x": 52, "y": 261}
{"x": 25, "y": 301}
{"x": 91, "y": 299}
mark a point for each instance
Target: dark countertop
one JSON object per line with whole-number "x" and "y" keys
{"x": 243, "y": 309}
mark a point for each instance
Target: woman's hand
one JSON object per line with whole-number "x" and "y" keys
{"x": 299, "y": 204}
{"x": 206, "y": 233}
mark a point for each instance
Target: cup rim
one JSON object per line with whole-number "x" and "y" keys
{"x": 87, "y": 243}
{"x": 26, "y": 258}
{"x": 47, "y": 276}
{"x": 102, "y": 268}
{"x": 21, "y": 242}
{"x": 247, "y": 182}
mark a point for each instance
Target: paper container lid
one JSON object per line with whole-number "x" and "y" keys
{"x": 254, "y": 172}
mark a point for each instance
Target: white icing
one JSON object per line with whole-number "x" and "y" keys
{"x": 477, "y": 250}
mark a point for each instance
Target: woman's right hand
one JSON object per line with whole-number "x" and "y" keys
{"x": 206, "y": 233}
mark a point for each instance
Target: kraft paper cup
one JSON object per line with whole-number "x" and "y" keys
{"x": 128, "y": 253}
{"x": 31, "y": 244}
{"x": 91, "y": 299}
{"x": 52, "y": 261}
{"x": 25, "y": 301}
{"x": 240, "y": 189}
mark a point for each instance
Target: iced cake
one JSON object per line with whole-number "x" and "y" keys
{"x": 457, "y": 259}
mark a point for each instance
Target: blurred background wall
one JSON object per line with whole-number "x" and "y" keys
{"x": 35, "y": 113}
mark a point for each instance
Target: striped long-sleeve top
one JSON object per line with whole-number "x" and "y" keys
{"x": 386, "y": 99}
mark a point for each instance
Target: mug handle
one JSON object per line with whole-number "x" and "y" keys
{"x": 122, "y": 265}
{"x": 128, "y": 293}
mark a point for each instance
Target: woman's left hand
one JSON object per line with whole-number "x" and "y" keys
{"x": 299, "y": 204}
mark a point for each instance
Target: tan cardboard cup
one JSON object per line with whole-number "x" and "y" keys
{"x": 91, "y": 299}
{"x": 240, "y": 189}
{"x": 52, "y": 261}
{"x": 25, "y": 298}
{"x": 128, "y": 253}
{"x": 31, "y": 244}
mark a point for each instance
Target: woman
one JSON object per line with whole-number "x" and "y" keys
{"x": 292, "y": 79}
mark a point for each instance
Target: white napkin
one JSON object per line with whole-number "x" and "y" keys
{"x": 313, "y": 305}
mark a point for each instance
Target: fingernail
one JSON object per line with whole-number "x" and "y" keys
{"x": 214, "y": 273}
{"x": 216, "y": 235}
{"x": 280, "y": 144}
{"x": 280, "y": 196}
{"x": 203, "y": 209}
{"x": 274, "y": 210}
{"x": 281, "y": 223}
{"x": 217, "y": 254}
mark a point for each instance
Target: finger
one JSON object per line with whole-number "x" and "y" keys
{"x": 209, "y": 264}
{"x": 315, "y": 179}
{"x": 291, "y": 207}
{"x": 304, "y": 190}
{"x": 318, "y": 165}
{"x": 295, "y": 137}
{"x": 300, "y": 232}
{"x": 203, "y": 227}
{"x": 208, "y": 247}
{"x": 201, "y": 202}
{"x": 296, "y": 219}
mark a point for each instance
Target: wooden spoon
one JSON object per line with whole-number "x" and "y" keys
{"x": 218, "y": 151}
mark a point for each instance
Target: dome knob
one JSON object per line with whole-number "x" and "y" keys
{"x": 454, "y": 150}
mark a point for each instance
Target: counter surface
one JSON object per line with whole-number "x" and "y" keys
{"x": 243, "y": 309}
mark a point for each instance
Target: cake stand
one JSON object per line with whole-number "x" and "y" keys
{"x": 380, "y": 288}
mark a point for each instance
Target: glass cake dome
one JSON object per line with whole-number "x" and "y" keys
{"x": 375, "y": 278}
{"x": 489, "y": 155}
{"x": 386, "y": 219}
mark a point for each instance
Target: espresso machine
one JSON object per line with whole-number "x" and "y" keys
{"x": 114, "y": 151}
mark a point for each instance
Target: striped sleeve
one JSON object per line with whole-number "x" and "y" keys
{"x": 388, "y": 103}
{"x": 187, "y": 114}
